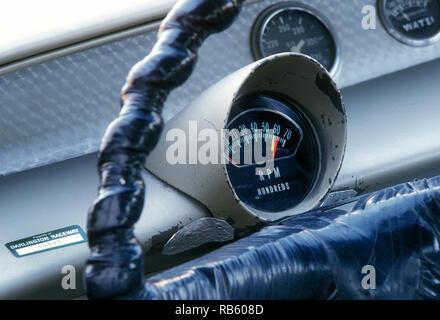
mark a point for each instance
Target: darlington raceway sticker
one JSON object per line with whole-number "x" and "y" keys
{"x": 55, "y": 239}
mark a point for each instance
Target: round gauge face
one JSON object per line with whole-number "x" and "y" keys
{"x": 292, "y": 29}
{"x": 414, "y": 22}
{"x": 272, "y": 156}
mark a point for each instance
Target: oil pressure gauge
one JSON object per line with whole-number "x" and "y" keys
{"x": 413, "y": 22}
{"x": 286, "y": 27}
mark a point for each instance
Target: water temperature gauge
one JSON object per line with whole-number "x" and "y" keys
{"x": 413, "y": 22}
{"x": 273, "y": 156}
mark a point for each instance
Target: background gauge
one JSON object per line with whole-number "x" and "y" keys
{"x": 270, "y": 129}
{"x": 414, "y": 22}
{"x": 288, "y": 28}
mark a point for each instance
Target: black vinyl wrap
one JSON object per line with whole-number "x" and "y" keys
{"x": 321, "y": 254}
{"x": 115, "y": 267}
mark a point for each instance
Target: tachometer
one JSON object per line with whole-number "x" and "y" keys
{"x": 272, "y": 153}
{"x": 288, "y": 28}
{"x": 414, "y": 22}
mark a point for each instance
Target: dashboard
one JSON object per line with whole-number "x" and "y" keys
{"x": 82, "y": 84}
{"x": 59, "y": 90}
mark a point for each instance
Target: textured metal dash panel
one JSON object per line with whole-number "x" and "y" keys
{"x": 59, "y": 109}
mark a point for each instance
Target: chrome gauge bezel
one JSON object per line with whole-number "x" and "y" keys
{"x": 266, "y": 16}
{"x": 391, "y": 29}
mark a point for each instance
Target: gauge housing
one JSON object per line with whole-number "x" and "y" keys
{"x": 319, "y": 22}
{"x": 292, "y": 77}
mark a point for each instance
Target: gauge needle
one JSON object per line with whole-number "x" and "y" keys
{"x": 298, "y": 47}
{"x": 406, "y": 16}
{"x": 230, "y": 159}
{"x": 274, "y": 146}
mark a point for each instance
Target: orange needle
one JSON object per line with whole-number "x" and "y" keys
{"x": 275, "y": 147}
{"x": 232, "y": 161}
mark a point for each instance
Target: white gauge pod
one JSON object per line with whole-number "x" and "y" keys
{"x": 289, "y": 101}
